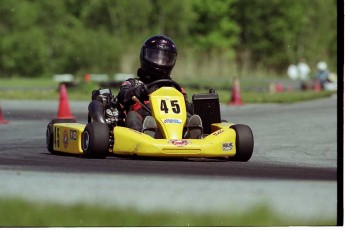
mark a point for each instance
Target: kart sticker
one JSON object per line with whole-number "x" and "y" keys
{"x": 57, "y": 137}
{"x": 227, "y": 146}
{"x": 172, "y": 121}
{"x": 180, "y": 143}
{"x": 218, "y": 132}
{"x": 73, "y": 135}
{"x": 175, "y": 106}
{"x": 65, "y": 138}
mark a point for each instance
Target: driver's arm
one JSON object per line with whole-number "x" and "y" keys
{"x": 131, "y": 87}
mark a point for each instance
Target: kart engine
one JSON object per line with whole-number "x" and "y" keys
{"x": 104, "y": 108}
{"x": 111, "y": 116}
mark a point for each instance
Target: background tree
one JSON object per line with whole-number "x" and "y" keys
{"x": 215, "y": 38}
{"x": 277, "y": 33}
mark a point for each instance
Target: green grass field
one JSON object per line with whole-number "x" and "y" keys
{"x": 20, "y": 213}
{"x": 47, "y": 89}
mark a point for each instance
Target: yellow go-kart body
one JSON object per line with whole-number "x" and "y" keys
{"x": 222, "y": 142}
{"x": 169, "y": 111}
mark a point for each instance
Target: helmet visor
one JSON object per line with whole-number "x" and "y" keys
{"x": 160, "y": 57}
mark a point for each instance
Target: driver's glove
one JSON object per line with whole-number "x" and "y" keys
{"x": 140, "y": 92}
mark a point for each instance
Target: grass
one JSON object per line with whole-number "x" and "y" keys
{"x": 284, "y": 97}
{"x": 249, "y": 97}
{"x": 46, "y": 89}
{"x": 26, "y": 82}
{"x": 21, "y": 213}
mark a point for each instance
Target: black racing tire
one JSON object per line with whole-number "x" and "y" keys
{"x": 95, "y": 140}
{"x": 50, "y": 134}
{"x": 244, "y": 143}
{"x": 49, "y": 138}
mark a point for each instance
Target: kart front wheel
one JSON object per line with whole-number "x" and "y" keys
{"x": 244, "y": 143}
{"x": 49, "y": 138}
{"x": 95, "y": 140}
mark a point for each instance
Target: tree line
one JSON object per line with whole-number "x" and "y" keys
{"x": 214, "y": 37}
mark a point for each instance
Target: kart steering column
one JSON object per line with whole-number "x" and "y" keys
{"x": 134, "y": 98}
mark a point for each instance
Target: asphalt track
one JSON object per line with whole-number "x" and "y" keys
{"x": 293, "y": 169}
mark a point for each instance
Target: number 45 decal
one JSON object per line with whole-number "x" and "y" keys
{"x": 174, "y": 106}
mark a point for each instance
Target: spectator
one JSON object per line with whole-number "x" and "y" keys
{"x": 322, "y": 74}
{"x": 292, "y": 72}
{"x": 303, "y": 70}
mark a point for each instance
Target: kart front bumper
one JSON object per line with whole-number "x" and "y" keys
{"x": 220, "y": 143}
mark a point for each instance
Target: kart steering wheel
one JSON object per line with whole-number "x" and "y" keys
{"x": 158, "y": 83}
{"x": 164, "y": 82}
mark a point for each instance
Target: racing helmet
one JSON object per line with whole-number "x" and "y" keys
{"x": 158, "y": 57}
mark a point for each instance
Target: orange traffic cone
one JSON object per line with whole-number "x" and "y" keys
{"x": 235, "y": 93}
{"x": 87, "y": 77}
{"x": 2, "y": 120}
{"x": 279, "y": 87}
{"x": 64, "y": 111}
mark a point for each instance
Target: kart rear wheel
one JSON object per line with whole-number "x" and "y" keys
{"x": 95, "y": 140}
{"x": 50, "y": 133}
{"x": 244, "y": 143}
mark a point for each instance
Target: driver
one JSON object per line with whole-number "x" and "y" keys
{"x": 157, "y": 57}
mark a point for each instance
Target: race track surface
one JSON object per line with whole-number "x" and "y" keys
{"x": 293, "y": 169}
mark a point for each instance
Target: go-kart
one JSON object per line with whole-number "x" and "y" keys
{"x": 106, "y": 134}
